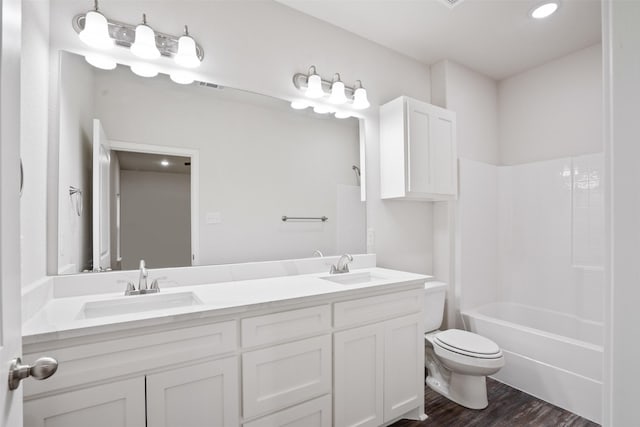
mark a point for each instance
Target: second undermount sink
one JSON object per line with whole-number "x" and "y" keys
{"x": 352, "y": 278}
{"x": 137, "y": 303}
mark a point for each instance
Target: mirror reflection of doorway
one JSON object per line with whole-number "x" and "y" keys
{"x": 151, "y": 207}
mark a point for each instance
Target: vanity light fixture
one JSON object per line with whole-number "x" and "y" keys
{"x": 181, "y": 77}
{"x": 316, "y": 87}
{"x": 144, "y": 45}
{"x": 337, "y": 91}
{"x": 96, "y": 30}
{"x": 299, "y": 105}
{"x": 143, "y": 69}
{"x": 360, "y": 101}
{"x": 101, "y": 61}
{"x": 187, "y": 55}
{"x": 544, "y": 10}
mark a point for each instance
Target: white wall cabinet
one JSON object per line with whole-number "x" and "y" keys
{"x": 378, "y": 372}
{"x": 418, "y": 151}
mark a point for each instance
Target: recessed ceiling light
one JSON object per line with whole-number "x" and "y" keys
{"x": 165, "y": 163}
{"x": 543, "y": 10}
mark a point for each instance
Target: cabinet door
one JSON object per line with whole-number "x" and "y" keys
{"x": 195, "y": 396}
{"x": 118, "y": 404}
{"x": 443, "y": 152}
{"x": 315, "y": 413}
{"x": 283, "y": 375}
{"x": 403, "y": 366}
{"x": 358, "y": 377}
{"x": 419, "y": 165}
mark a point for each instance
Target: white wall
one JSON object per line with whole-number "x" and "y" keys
{"x": 76, "y": 111}
{"x": 259, "y": 160}
{"x": 552, "y": 111}
{"x": 259, "y": 46}
{"x": 34, "y": 86}
{"x": 156, "y": 219}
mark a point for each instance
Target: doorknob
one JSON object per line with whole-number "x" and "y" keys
{"x": 42, "y": 369}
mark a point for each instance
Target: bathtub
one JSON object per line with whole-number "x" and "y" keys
{"x": 550, "y": 355}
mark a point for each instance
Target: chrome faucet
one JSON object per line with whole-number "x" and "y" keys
{"x": 142, "y": 278}
{"x": 342, "y": 266}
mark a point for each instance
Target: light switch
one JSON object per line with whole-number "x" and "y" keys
{"x": 214, "y": 218}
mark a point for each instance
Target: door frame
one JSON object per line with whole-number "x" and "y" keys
{"x": 192, "y": 153}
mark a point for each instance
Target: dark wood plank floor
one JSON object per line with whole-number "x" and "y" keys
{"x": 508, "y": 407}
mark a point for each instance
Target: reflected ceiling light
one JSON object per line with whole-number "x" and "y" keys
{"x": 337, "y": 91}
{"x": 96, "y": 30}
{"x": 360, "y": 101}
{"x": 164, "y": 163}
{"x": 181, "y": 77}
{"x": 321, "y": 109}
{"x": 144, "y": 45}
{"x": 187, "y": 55}
{"x": 299, "y": 105}
{"x": 543, "y": 10}
{"x": 342, "y": 115}
{"x": 101, "y": 61}
{"x": 314, "y": 84}
{"x": 144, "y": 70}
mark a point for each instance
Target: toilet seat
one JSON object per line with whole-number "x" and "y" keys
{"x": 467, "y": 344}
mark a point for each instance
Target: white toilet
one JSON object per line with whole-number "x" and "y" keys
{"x": 457, "y": 361}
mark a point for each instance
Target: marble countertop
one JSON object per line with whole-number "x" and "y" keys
{"x": 62, "y": 318}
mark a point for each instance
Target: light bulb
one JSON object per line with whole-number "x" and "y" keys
{"x": 299, "y": 105}
{"x": 101, "y": 61}
{"x": 144, "y": 45}
{"x": 144, "y": 70}
{"x": 321, "y": 109}
{"x": 544, "y": 10}
{"x": 187, "y": 55}
{"x": 360, "y": 101}
{"x": 337, "y": 93}
{"x": 96, "y": 31}
{"x": 314, "y": 88}
{"x": 181, "y": 77}
{"x": 342, "y": 115}
{"x": 164, "y": 163}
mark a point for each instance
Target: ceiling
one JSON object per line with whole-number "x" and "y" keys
{"x": 146, "y": 162}
{"x": 494, "y": 37}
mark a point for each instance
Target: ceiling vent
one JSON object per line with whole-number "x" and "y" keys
{"x": 451, "y": 3}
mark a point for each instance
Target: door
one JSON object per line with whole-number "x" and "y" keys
{"x": 194, "y": 396}
{"x": 118, "y": 404}
{"x": 358, "y": 370}
{"x": 101, "y": 198}
{"x": 10, "y": 325}
{"x": 419, "y": 171}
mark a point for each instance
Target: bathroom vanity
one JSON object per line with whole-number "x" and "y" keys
{"x": 300, "y": 350}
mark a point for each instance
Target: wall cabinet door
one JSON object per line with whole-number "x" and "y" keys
{"x": 201, "y": 395}
{"x": 358, "y": 377}
{"x": 418, "y": 153}
{"x": 118, "y": 404}
{"x": 403, "y": 366}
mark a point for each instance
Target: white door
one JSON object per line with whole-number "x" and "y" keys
{"x": 10, "y": 325}
{"x": 101, "y": 197}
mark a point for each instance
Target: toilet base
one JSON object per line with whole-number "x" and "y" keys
{"x": 469, "y": 391}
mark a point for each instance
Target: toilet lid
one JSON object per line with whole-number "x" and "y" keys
{"x": 467, "y": 343}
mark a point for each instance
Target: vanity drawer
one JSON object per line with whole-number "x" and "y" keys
{"x": 381, "y": 307}
{"x": 284, "y": 326}
{"x": 284, "y": 375}
{"x": 315, "y": 413}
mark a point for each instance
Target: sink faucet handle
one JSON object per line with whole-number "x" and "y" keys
{"x": 130, "y": 286}
{"x": 156, "y": 282}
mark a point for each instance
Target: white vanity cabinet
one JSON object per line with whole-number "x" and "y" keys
{"x": 418, "y": 152}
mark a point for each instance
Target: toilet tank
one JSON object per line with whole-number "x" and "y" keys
{"x": 434, "y": 296}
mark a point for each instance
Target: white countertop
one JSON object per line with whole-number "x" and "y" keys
{"x": 62, "y": 318}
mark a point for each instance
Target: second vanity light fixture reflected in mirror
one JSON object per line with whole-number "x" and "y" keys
{"x": 99, "y": 32}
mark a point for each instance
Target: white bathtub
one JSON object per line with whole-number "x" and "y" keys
{"x": 550, "y": 355}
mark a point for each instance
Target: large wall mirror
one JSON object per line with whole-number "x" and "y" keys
{"x": 198, "y": 174}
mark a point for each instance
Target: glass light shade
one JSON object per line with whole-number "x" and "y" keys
{"x": 544, "y": 10}
{"x": 360, "y": 101}
{"x": 96, "y": 31}
{"x": 321, "y": 109}
{"x": 144, "y": 70}
{"x": 314, "y": 87}
{"x": 337, "y": 93}
{"x": 187, "y": 55}
{"x": 299, "y": 105}
{"x": 181, "y": 77}
{"x": 101, "y": 61}
{"x": 342, "y": 115}
{"x": 144, "y": 45}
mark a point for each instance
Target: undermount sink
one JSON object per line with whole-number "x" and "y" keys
{"x": 138, "y": 303}
{"x": 352, "y": 278}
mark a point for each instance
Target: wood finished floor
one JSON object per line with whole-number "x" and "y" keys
{"x": 508, "y": 407}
